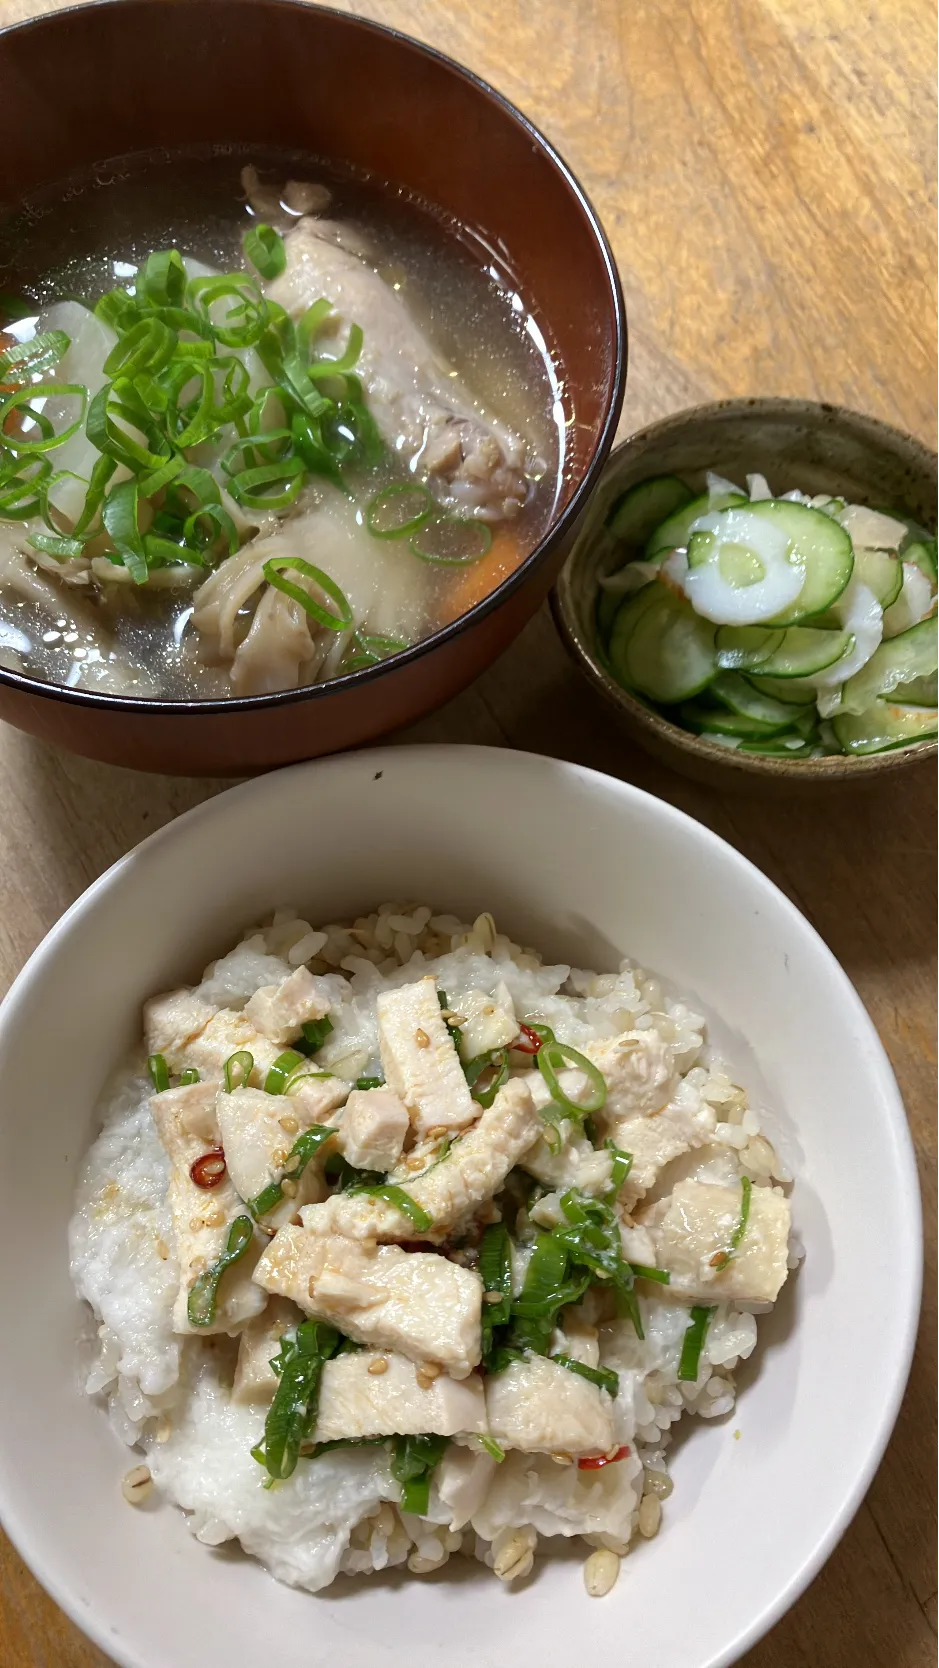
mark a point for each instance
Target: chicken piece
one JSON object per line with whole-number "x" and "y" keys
{"x": 356, "y": 1399}
{"x": 577, "y": 1337}
{"x": 258, "y": 1131}
{"x": 227, "y": 1033}
{"x": 202, "y": 1216}
{"x": 411, "y": 1301}
{"x": 486, "y": 1023}
{"x": 639, "y": 1072}
{"x": 428, "y": 418}
{"x": 577, "y": 1162}
{"x": 462, "y": 1478}
{"x": 543, "y": 1408}
{"x": 374, "y": 1125}
{"x": 419, "y": 1060}
{"x": 448, "y": 1191}
{"x": 653, "y": 1143}
{"x": 170, "y": 1023}
{"x": 695, "y": 1224}
{"x": 281, "y": 1011}
{"x": 255, "y": 1378}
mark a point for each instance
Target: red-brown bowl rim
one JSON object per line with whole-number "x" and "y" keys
{"x": 311, "y": 692}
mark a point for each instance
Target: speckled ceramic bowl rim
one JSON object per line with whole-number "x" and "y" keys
{"x": 836, "y": 767}
{"x": 560, "y": 522}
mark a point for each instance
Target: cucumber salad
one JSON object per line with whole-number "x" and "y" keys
{"x": 791, "y": 627}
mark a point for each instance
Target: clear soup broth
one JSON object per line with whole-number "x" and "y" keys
{"x": 325, "y": 427}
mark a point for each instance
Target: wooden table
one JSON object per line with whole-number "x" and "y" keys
{"x": 763, "y": 168}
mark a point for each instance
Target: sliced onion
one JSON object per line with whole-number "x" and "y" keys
{"x": 871, "y": 529}
{"x": 630, "y": 578}
{"x": 758, "y": 488}
{"x": 859, "y": 612}
{"x": 913, "y": 603}
{"x": 718, "y": 488}
{"x": 716, "y": 598}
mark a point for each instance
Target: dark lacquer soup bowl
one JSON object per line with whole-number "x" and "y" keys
{"x": 119, "y": 79}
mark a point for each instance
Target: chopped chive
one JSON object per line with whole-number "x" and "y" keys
{"x": 722, "y": 1258}
{"x": 414, "y": 1460}
{"x": 237, "y": 1070}
{"x": 693, "y": 1343}
{"x": 201, "y": 1304}
{"x": 159, "y": 1073}
{"x": 661, "y": 1276}
{"x": 603, "y": 1377}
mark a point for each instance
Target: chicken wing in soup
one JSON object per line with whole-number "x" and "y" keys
{"x": 261, "y": 425}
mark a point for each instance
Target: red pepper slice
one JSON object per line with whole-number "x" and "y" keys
{"x": 593, "y": 1462}
{"x": 209, "y": 1168}
{"x": 529, "y": 1041}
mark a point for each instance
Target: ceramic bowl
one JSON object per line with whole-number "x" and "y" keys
{"x": 794, "y": 443}
{"x": 588, "y": 869}
{"x": 369, "y": 98}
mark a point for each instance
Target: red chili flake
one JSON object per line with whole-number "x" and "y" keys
{"x": 529, "y": 1041}
{"x": 593, "y": 1462}
{"x": 208, "y": 1169}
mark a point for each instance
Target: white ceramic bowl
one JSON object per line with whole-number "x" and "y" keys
{"x": 585, "y": 868}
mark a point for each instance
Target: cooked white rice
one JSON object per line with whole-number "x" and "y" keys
{"x": 170, "y": 1396}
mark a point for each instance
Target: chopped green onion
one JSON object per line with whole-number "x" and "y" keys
{"x": 621, "y": 1166}
{"x": 201, "y": 1303}
{"x": 159, "y": 1073}
{"x": 693, "y": 1343}
{"x": 161, "y": 281}
{"x": 304, "y": 1148}
{"x": 119, "y": 514}
{"x": 498, "y": 1063}
{"x": 593, "y": 1239}
{"x": 244, "y": 323}
{"x": 322, "y": 368}
{"x": 147, "y": 347}
{"x": 315, "y": 1032}
{"x": 552, "y": 1057}
{"x": 237, "y": 1070}
{"x": 370, "y": 1083}
{"x": 26, "y": 359}
{"x": 451, "y": 541}
{"x": 414, "y": 1460}
{"x": 398, "y": 510}
{"x": 660, "y": 1275}
{"x": 284, "y": 1067}
{"x": 722, "y": 1258}
{"x": 366, "y": 651}
{"x": 20, "y": 401}
{"x": 276, "y": 566}
{"x": 189, "y": 1076}
{"x": 265, "y": 250}
{"x": 59, "y": 545}
{"x": 401, "y": 1201}
{"x": 292, "y": 1413}
{"x": 492, "y": 1447}
{"x": 603, "y": 1377}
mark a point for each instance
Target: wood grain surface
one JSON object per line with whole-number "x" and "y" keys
{"x": 765, "y": 171}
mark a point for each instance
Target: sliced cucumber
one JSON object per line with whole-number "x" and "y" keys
{"x": 796, "y": 691}
{"x": 627, "y": 614}
{"x": 741, "y": 647}
{"x": 884, "y": 725}
{"x": 923, "y": 553}
{"x": 913, "y": 603}
{"x": 675, "y": 532}
{"x": 913, "y": 654}
{"x": 805, "y": 651}
{"x": 669, "y": 652}
{"x": 919, "y": 692}
{"x": 636, "y": 515}
{"x": 781, "y": 747}
{"x": 882, "y": 572}
{"x": 735, "y": 692}
{"x": 709, "y": 721}
{"x": 820, "y": 545}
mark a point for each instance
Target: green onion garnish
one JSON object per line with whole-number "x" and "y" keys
{"x": 661, "y": 1276}
{"x": 398, "y": 510}
{"x": 492, "y": 1447}
{"x": 552, "y": 1057}
{"x": 201, "y": 1304}
{"x": 451, "y": 541}
{"x": 497, "y": 1064}
{"x": 720, "y": 1259}
{"x": 593, "y": 1240}
{"x": 693, "y": 1343}
{"x": 284, "y": 1067}
{"x": 25, "y": 359}
{"x": 120, "y": 517}
{"x": 603, "y": 1377}
{"x": 273, "y": 571}
{"x": 159, "y": 1073}
{"x": 366, "y": 651}
{"x": 19, "y": 441}
{"x": 414, "y": 1460}
{"x": 292, "y": 1414}
{"x": 315, "y": 1032}
{"x": 495, "y": 1271}
{"x": 397, "y": 1197}
{"x": 237, "y": 1070}
{"x": 304, "y": 1148}
{"x": 621, "y": 1166}
{"x": 265, "y": 250}
{"x": 370, "y": 1083}
{"x": 189, "y": 1076}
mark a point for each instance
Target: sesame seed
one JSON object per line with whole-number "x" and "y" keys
{"x": 288, "y": 1124}
{"x": 378, "y": 1366}
{"x": 421, "y": 1037}
{"x": 492, "y": 1297}
{"x": 288, "y": 1189}
{"x": 563, "y": 1459}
